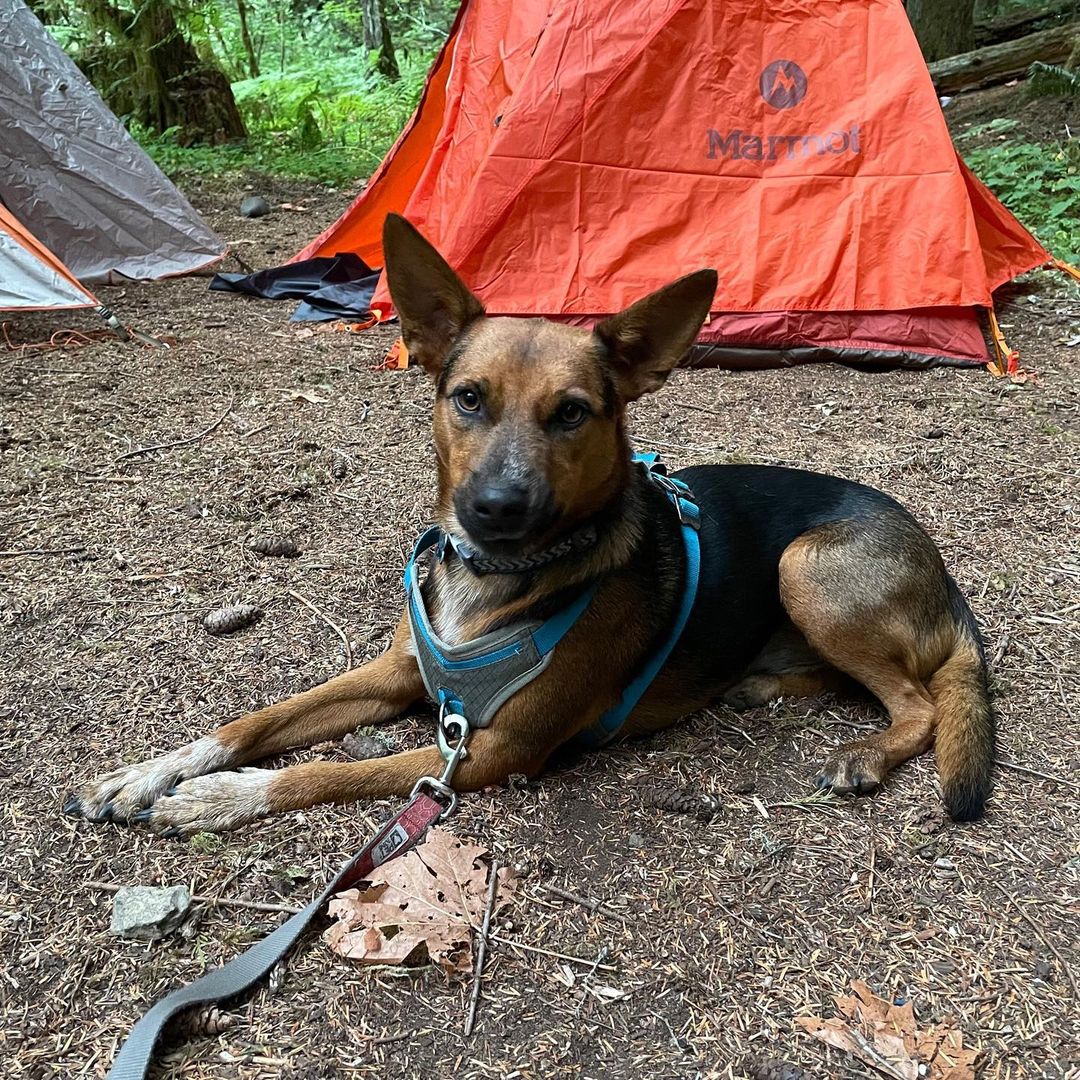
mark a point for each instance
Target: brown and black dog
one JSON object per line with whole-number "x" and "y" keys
{"x": 805, "y": 580}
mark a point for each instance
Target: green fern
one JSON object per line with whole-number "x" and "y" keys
{"x": 1051, "y": 80}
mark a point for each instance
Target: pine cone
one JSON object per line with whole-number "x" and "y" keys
{"x": 199, "y": 1023}
{"x": 278, "y": 546}
{"x": 697, "y": 804}
{"x": 775, "y": 1069}
{"x": 228, "y": 620}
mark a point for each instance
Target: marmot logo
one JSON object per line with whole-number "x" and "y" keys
{"x": 783, "y": 84}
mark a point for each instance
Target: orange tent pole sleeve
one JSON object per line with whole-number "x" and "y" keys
{"x": 1060, "y": 264}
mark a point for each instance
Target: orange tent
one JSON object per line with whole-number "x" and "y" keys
{"x": 569, "y": 158}
{"x": 31, "y": 276}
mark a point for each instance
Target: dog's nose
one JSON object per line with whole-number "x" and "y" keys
{"x": 501, "y": 506}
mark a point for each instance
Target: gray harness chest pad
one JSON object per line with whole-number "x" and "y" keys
{"x": 481, "y": 675}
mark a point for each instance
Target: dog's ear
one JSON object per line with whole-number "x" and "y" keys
{"x": 649, "y": 338}
{"x": 430, "y": 299}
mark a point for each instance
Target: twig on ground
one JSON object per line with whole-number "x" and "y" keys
{"x": 1028, "y": 771}
{"x": 1037, "y": 931}
{"x": 481, "y": 949}
{"x": 548, "y": 952}
{"x": 18, "y": 553}
{"x": 213, "y": 901}
{"x": 700, "y": 408}
{"x": 584, "y": 901}
{"x": 180, "y": 442}
{"x": 600, "y": 957}
{"x": 382, "y": 1040}
{"x": 329, "y": 622}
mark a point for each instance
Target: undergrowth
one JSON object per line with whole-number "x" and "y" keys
{"x": 1038, "y": 182}
{"x": 332, "y": 124}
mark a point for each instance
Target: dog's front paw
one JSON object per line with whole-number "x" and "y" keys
{"x": 212, "y": 803}
{"x": 122, "y": 793}
{"x": 853, "y": 769}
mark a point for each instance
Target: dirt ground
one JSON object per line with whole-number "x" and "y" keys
{"x": 717, "y": 934}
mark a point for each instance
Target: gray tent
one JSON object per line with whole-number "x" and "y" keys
{"x": 77, "y": 183}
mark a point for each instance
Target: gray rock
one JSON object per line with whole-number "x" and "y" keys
{"x": 361, "y": 747}
{"x": 254, "y": 206}
{"x": 148, "y": 912}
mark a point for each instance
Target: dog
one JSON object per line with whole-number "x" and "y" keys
{"x": 806, "y": 581}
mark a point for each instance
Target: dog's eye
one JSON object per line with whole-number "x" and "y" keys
{"x": 571, "y": 414}
{"x": 467, "y": 400}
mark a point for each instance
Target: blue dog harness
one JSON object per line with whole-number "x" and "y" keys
{"x": 474, "y": 679}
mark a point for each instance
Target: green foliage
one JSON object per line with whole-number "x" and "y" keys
{"x": 318, "y": 109}
{"x": 1040, "y": 183}
{"x": 332, "y": 123}
{"x": 1050, "y": 80}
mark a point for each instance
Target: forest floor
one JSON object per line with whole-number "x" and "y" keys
{"x": 718, "y": 935}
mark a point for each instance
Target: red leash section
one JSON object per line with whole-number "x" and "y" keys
{"x": 396, "y": 837}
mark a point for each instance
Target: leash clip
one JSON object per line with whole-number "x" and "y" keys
{"x": 451, "y": 726}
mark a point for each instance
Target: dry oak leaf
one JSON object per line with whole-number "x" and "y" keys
{"x": 419, "y": 907}
{"x": 886, "y": 1037}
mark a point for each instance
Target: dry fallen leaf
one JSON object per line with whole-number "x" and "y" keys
{"x": 419, "y": 907}
{"x": 886, "y": 1037}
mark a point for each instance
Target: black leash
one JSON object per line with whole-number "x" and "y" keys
{"x": 396, "y": 837}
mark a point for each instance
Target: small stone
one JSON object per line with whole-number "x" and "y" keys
{"x": 254, "y": 206}
{"x": 364, "y": 747}
{"x": 148, "y": 912}
{"x": 636, "y": 840}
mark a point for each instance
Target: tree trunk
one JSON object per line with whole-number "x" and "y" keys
{"x": 245, "y": 37}
{"x": 157, "y": 77}
{"x": 998, "y": 63}
{"x": 1019, "y": 24}
{"x": 377, "y": 37}
{"x": 943, "y": 27}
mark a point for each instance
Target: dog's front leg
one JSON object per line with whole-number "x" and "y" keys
{"x": 372, "y": 694}
{"x": 227, "y": 800}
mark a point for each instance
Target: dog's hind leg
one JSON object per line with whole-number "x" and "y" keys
{"x": 873, "y": 599}
{"x": 372, "y": 694}
{"x": 785, "y": 667}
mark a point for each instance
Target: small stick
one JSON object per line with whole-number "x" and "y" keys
{"x": 382, "y": 1040}
{"x": 870, "y": 879}
{"x": 179, "y": 442}
{"x": 600, "y": 956}
{"x": 17, "y": 553}
{"x": 700, "y": 408}
{"x": 217, "y": 901}
{"x": 329, "y": 622}
{"x": 548, "y": 952}
{"x": 1039, "y": 934}
{"x": 565, "y": 894}
{"x": 1035, "y": 772}
{"x": 481, "y": 949}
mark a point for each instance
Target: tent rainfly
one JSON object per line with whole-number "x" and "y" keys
{"x": 80, "y": 202}
{"x": 567, "y": 159}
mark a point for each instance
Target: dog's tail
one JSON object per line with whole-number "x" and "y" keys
{"x": 964, "y": 740}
